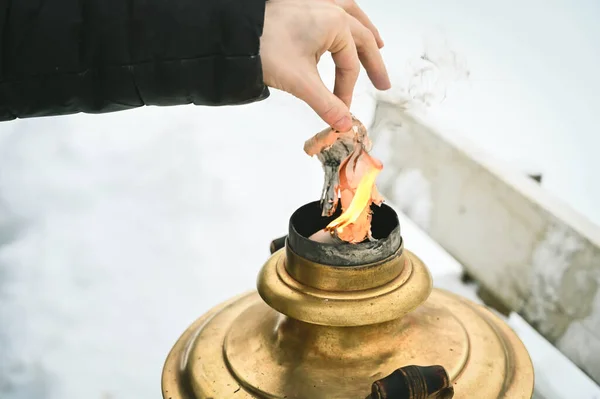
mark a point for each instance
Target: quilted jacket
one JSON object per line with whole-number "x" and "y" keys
{"x": 67, "y": 56}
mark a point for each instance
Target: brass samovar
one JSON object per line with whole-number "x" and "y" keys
{"x": 347, "y": 321}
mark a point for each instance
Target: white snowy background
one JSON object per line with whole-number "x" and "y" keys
{"x": 118, "y": 230}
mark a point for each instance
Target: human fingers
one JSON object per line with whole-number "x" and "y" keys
{"x": 347, "y": 64}
{"x": 325, "y": 103}
{"x": 352, "y": 8}
{"x": 296, "y": 34}
{"x": 333, "y": 108}
{"x": 359, "y": 14}
{"x": 369, "y": 55}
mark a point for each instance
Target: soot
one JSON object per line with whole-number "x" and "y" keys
{"x": 307, "y": 220}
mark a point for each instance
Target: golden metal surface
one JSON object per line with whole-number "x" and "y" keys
{"x": 342, "y": 278}
{"x": 378, "y": 304}
{"x": 298, "y": 341}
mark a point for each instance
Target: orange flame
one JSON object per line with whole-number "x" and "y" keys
{"x": 356, "y": 217}
{"x": 352, "y": 184}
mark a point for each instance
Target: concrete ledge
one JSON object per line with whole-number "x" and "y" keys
{"x": 533, "y": 253}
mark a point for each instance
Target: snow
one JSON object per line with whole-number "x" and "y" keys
{"x": 533, "y": 85}
{"x": 550, "y": 262}
{"x": 117, "y": 231}
{"x": 124, "y": 227}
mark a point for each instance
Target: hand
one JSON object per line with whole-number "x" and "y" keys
{"x": 297, "y": 33}
{"x": 353, "y": 9}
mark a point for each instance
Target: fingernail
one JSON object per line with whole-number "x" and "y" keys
{"x": 343, "y": 125}
{"x": 386, "y": 84}
{"x": 382, "y": 82}
{"x": 379, "y": 40}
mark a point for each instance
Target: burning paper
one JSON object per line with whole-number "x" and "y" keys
{"x": 350, "y": 174}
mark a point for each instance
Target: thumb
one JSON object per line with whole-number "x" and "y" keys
{"x": 327, "y": 105}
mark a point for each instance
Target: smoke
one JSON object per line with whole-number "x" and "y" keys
{"x": 423, "y": 83}
{"x": 427, "y": 77}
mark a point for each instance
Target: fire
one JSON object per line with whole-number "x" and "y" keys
{"x": 360, "y": 204}
{"x": 350, "y": 174}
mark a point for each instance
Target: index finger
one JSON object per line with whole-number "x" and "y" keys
{"x": 360, "y": 15}
{"x": 369, "y": 55}
{"x": 347, "y": 65}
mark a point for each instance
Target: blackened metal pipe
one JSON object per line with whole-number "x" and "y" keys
{"x": 307, "y": 220}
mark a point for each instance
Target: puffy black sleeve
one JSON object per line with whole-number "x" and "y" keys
{"x": 66, "y": 56}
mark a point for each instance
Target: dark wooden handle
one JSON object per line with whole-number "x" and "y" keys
{"x": 414, "y": 382}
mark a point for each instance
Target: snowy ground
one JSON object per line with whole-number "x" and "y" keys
{"x": 115, "y": 230}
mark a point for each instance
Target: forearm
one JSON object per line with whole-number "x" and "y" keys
{"x": 68, "y": 56}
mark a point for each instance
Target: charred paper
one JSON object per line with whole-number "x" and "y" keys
{"x": 347, "y": 166}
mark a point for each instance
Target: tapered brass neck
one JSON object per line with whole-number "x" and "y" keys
{"x": 344, "y": 296}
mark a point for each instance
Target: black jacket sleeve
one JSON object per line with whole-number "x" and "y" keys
{"x": 67, "y": 56}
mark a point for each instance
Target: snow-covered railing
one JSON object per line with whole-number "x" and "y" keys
{"x": 534, "y": 254}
